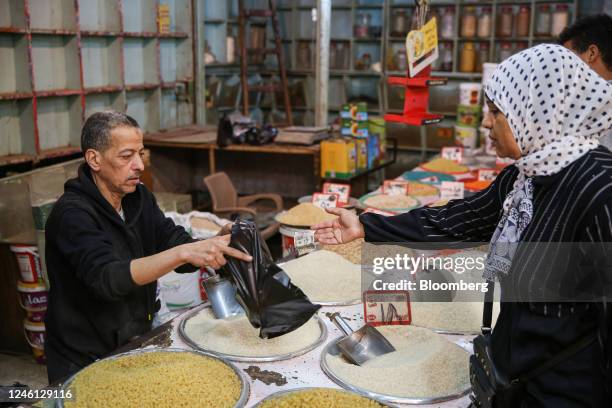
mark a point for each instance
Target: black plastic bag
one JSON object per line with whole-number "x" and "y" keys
{"x": 272, "y": 303}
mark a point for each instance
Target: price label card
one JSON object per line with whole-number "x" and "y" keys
{"x": 487, "y": 174}
{"x": 454, "y": 153}
{"x": 382, "y": 308}
{"x": 377, "y": 211}
{"x": 325, "y": 200}
{"x": 395, "y": 187}
{"x": 343, "y": 191}
{"x": 451, "y": 190}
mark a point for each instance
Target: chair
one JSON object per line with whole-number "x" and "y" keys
{"x": 226, "y": 203}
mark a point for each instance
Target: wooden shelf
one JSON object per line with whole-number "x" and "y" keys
{"x": 12, "y": 159}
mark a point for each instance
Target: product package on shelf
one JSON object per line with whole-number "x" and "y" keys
{"x": 338, "y": 158}
{"x": 354, "y": 120}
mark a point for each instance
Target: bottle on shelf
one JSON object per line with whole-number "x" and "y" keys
{"x": 560, "y": 19}
{"x": 362, "y": 25}
{"x": 468, "y": 22}
{"x": 400, "y": 60}
{"x": 483, "y": 56}
{"x": 342, "y": 55}
{"x": 505, "y": 51}
{"x": 505, "y": 22}
{"x": 399, "y": 23}
{"x": 542, "y": 28}
{"x": 467, "y": 58}
{"x": 447, "y": 23}
{"x": 484, "y": 23}
{"x": 230, "y": 48}
{"x": 522, "y": 21}
{"x": 303, "y": 55}
{"x": 446, "y": 57}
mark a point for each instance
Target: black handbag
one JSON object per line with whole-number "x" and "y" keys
{"x": 490, "y": 387}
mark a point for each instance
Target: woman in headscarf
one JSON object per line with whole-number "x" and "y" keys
{"x": 548, "y": 110}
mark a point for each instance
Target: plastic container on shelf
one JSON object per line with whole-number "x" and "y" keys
{"x": 362, "y": 25}
{"x": 399, "y": 23}
{"x": 522, "y": 21}
{"x": 543, "y": 21}
{"x": 447, "y": 23}
{"x": 468, "y": 22}
{"x": 484, "y": 23}
{"x": 469, "y": 93}
{"x": 468, "y": 58}
{"x": 505, "y": 51}
{"x": 505, "y": 22}
{"x": 482, "y": 56}
{"x": 560, "y": 19}
{"x": 28, "y": 261}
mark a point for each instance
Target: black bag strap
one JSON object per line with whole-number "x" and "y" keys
{"x": 487, "y": 312}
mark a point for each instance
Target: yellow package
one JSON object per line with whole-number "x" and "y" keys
{"x": 338, "y": 158}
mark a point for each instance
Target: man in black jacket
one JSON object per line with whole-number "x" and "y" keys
{"x": 107, "y": 244}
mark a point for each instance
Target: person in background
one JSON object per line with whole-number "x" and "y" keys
{"x": 547, "y": 111}
{"x": 591, "y": 39}
{"x": 107, "y": 243}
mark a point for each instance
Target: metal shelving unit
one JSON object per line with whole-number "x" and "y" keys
{"x": 65, "y": 59}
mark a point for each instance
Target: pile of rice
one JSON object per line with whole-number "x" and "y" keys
{"x": 424, "y": 364}
{"x": 390, "y": 202}
{"x": 351, "y": 251}
{"x": 237, "y": 337}
{"x": 203, "y": 223}
{"x": 325, "y": 276}
{"x": 320, "y": 398}
{"x": 156, "y": 379}
{"x": 305, "y": 215}
{"x": 445, "y": 166}
{"x": 452, "y": 317}
{"x": 421, "y": 189}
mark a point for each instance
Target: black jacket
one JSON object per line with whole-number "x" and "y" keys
{"x": 94, "y": 305}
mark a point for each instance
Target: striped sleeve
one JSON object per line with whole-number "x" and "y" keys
{"x": 599, "y": 229}
{"x": 469, "y": 220}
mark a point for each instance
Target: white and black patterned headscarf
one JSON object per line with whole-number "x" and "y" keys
{"x": 558, "y": 109}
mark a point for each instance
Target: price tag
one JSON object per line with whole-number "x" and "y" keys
{"x": 343, "y": 191}
{"x": 382, "y": 308}
{"x": 377, "y": 211}
{"x": 487, "y": 174}
{"x": 395, "y": 187}
{"x": 324, "y": 200}
{"x": 454, "y": 153}
{"x": 451, "y": 190}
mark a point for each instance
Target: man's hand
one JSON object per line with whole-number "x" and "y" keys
{"x": 211, "y": 252}
{"x": 343, "y": 229}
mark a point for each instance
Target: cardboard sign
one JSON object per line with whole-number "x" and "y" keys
{"x": 454, "y": 153}
{"x": 343, "y": 191}
{"x": 383, "y": 308}
{"x": 304, "y": 242}
{"x": 422, "y": 47}
{"x": 325, "y": 200}
{"x": 377, "y": 211}
{"x": 451, "y": 190}
{"x": 487, "y": 174}
{"x": 395, "y": 187}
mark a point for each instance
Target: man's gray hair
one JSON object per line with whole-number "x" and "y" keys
{"x": 96, "y": 132}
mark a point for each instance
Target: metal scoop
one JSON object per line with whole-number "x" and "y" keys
{"x": 222, "y": 296}
{"x": 361, "y": 345}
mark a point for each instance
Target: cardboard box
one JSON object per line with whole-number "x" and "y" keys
{"x": 373, "y": 150}
{"x": 355, "y": 111}
{"x": 362, "y": 153}
{"x": 378, "y": 126}
{"x": 469, "y": 116}
{"x": 338, "y": 158}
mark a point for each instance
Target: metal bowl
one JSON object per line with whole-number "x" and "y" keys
{"x": 245, "y": 359}
{"x": 244, "y": 384}
{"x": 279, "y": 394}
{"x": 332, "y": 349}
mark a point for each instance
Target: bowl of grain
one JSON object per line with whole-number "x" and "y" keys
{"x": 159, "y": 378}
{"x": 393, "y": 203}
{"x": 318, "y": 397}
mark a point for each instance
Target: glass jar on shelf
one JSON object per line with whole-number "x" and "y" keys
{"x": 400, "y": 60}
{"x": 362, "y": 25}
{"x": 303, "y": 55}
{"x": 505, "y": 22}
{"x": 447, "y": 23}
{"x": 505, "y": 51}
{"x": 560, "y": 19}
{"x": 484, "y": 23}
{"x": 522, "y": 21}
{"x": 468, "y": 57}
{"x": 483, "y": 55}
{"x": 468, "y": 22}
{"x": 542, "y": 28}
{"x": 399, "y": 23}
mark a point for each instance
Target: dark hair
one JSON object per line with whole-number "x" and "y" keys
{"x": 590, "y": 30}
{"x": 96, "y": 132}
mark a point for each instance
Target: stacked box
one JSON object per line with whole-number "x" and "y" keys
{"x": 362, "y": 153}
{"x": 354, "y": 120}
{"x": 377, "y": 126}
{"x": 338, "y": 158}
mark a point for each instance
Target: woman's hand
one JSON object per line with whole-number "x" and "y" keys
{"x": 211, "y": 252}
{"x": 343, "y": 229}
